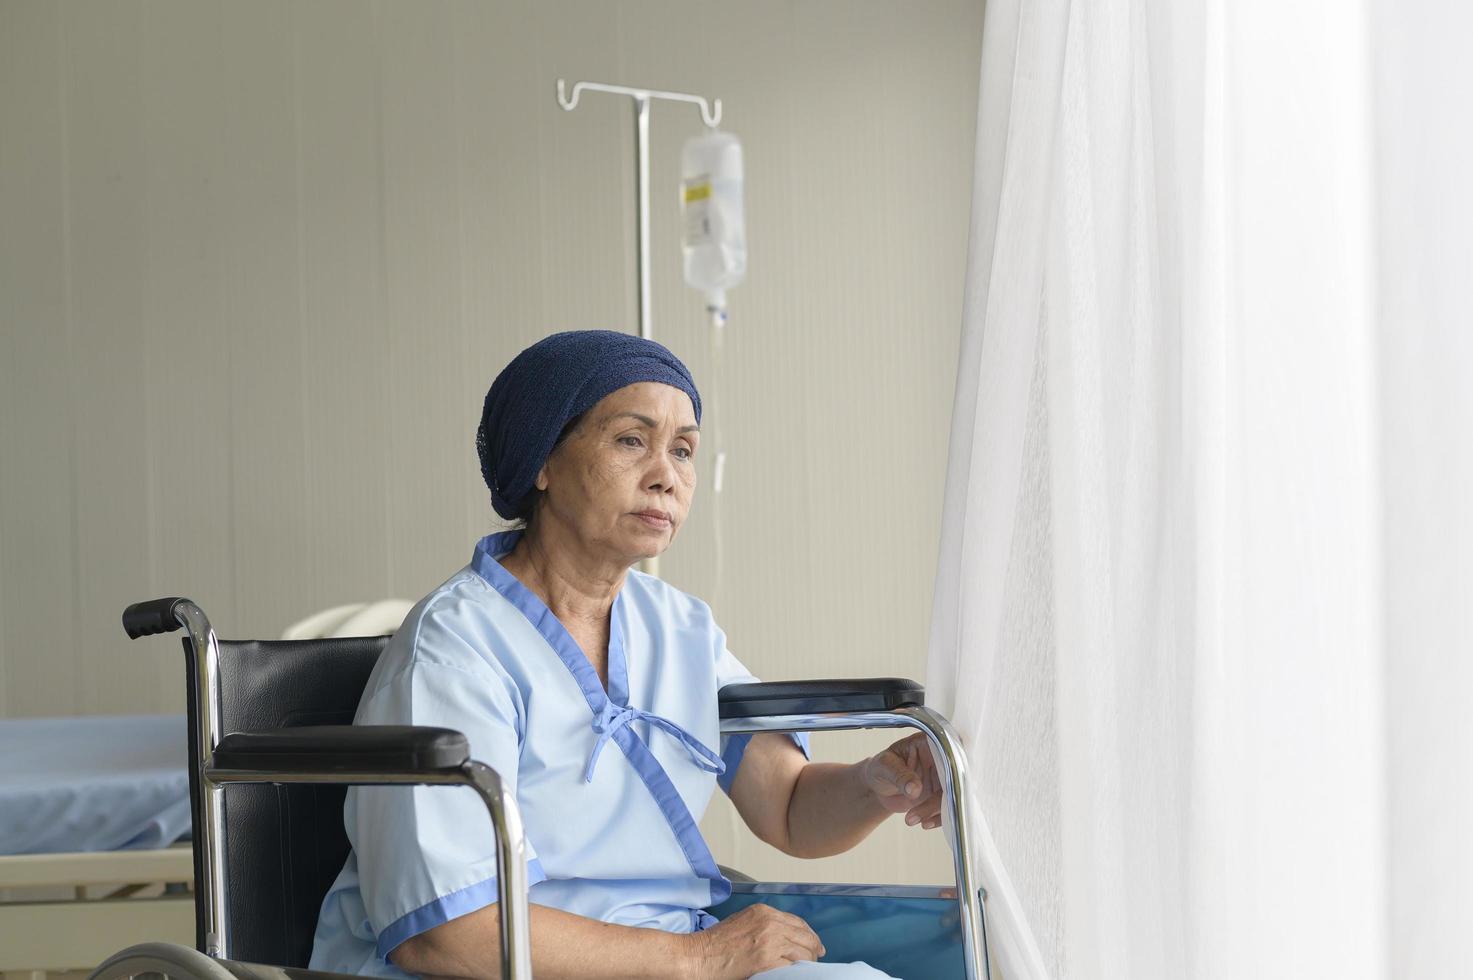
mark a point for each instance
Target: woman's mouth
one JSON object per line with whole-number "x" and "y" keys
{"x": 657, "y": 519}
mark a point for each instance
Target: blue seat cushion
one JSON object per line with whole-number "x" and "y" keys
{"x": 906, "y": 932}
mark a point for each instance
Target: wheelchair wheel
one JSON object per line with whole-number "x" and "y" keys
{"x": 150, "y": 961}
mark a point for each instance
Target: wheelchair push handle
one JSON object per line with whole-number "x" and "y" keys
{"x": 153, "y": 616}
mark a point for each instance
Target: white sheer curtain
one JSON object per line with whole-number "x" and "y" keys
{"x": 1202, "y": 611}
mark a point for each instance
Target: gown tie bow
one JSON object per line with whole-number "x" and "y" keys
{"x": 614, "y": 717}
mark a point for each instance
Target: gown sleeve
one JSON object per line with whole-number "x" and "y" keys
{"x": 729, "y": 670}
{"x": 427, "y": 854}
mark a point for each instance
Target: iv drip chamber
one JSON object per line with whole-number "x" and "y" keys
{"x": 715, "y": 241}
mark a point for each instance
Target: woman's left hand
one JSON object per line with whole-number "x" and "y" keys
{"x": 903, "y": 779}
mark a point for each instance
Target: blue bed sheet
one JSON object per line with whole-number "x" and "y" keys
{"x": 93, "y": 783}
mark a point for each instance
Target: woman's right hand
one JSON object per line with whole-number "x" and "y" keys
{"x": 757, "y": 938}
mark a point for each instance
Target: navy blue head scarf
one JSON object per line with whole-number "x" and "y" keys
{"x": 546, "y": 387}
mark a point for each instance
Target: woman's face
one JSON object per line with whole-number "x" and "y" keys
{"x": 622, "y": 480}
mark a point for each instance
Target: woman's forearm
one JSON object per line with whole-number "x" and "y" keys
{"x": 564, "y": 947}
{"x": 831, "y": 810}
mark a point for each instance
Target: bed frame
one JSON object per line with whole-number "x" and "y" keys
{"x": 64, "y": 912}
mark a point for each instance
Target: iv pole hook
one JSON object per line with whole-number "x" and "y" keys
{"x": 710, "y": 110}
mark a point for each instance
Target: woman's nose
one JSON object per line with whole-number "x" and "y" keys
{"x": 661, "y": 475}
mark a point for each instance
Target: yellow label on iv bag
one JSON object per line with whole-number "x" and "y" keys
{"x": 696, "y": 204}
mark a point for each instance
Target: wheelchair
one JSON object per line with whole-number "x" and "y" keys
{"x": 271, "y": 721}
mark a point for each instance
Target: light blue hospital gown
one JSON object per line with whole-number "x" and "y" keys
{"x": 611, "y": 786}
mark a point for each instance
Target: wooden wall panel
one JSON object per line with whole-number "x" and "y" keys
{"x": 185, "y": 341}
{"x": 111, "y": 374}
{"x": 38, "y": 607}
{"x": 504, "y": 100}
{"x": 429, "y": 438}
{"x": 262, "y": 308}
{"x": 586, "y": 176}
{"x": 339, "y": 74}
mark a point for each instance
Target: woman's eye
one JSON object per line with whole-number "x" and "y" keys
{"x": 681, "y": 452}
{"x": 630, "y": 440}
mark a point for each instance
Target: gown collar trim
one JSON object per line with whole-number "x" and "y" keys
{"x": 486, "y": 564}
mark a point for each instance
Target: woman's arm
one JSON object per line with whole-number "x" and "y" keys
{"x": 816, "y": 809}
{"x": 567, "y": 946}
{"x": 563, "y": 945}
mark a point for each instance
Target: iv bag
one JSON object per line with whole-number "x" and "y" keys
{"x": 715, "y": 242}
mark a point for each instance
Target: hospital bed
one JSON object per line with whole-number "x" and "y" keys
{"x": 270, "y": 721}
{"x": 90, "y": 810}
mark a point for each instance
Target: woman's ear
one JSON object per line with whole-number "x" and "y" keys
{"x": 541, "y": 482}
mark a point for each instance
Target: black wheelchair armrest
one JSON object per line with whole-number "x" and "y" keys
{"x": 819, "y": 697}
{"x": 385, "y": 749}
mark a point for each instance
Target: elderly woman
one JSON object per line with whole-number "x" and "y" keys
{"x": 545, "y": 649}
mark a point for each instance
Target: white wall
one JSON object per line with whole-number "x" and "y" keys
{"x": 260, "y": 261}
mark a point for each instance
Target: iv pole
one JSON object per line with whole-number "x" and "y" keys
{"x": 710, "y": 115}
